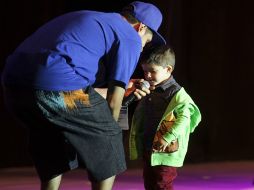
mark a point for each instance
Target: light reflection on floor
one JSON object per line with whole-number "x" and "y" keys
{"x": 205, "y": 176}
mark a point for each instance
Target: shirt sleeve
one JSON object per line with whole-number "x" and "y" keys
{"x": 123, "y": 61}
{"x": 181, "y": 124}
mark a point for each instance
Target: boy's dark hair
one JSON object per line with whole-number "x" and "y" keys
{"x": 159, "y": 55}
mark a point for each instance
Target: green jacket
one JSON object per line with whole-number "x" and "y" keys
{"x": 182, "y": 114}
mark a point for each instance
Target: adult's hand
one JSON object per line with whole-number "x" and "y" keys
{"x": 138, "y": 92}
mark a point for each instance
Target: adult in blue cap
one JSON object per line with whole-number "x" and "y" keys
{"x": 49, "y": 83}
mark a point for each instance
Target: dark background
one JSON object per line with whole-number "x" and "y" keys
{"x": 213, "y": 41}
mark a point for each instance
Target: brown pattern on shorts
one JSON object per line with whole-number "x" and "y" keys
{"x": 72, "y": 97}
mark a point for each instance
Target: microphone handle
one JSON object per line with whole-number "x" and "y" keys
{"x": 127, "y": 100}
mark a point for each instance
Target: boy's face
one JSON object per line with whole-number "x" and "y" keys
{"x": 155, "y": 74}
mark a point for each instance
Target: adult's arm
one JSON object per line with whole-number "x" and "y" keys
{"x": 114, "y": 94}
{"x": 114, "y": 97}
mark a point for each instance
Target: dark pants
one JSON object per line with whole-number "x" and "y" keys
{"x": 157, "y": 177}
{"x": 68, "y": 129}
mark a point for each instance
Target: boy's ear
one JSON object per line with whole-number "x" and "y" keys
{"x": 170, "y": 69}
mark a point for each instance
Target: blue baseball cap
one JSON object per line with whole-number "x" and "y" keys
{"x": 151, "y": 16}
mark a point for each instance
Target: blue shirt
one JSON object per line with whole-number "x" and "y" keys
{"x": 76, "y": 50}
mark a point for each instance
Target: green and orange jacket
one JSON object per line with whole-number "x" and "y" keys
{"x": 179, "y": 120}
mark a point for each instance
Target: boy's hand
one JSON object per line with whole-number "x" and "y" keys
{"x": 160, "y": 145}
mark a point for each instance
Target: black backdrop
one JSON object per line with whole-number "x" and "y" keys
{"x": 213, "y": 41}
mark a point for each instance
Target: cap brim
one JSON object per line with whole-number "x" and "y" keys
{"x": 158, "y": 39}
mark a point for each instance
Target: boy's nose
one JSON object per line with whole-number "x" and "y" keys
{"x": 148, "y": 75}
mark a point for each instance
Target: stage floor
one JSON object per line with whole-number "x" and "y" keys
{"x": 205, "y": 176}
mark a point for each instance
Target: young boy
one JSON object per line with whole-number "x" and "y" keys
{"x": 162, "y": 122}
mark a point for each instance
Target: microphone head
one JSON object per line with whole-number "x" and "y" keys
{"x": 145, "y": 84}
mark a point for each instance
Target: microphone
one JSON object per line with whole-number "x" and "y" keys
{"x": 129, "y": 99}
